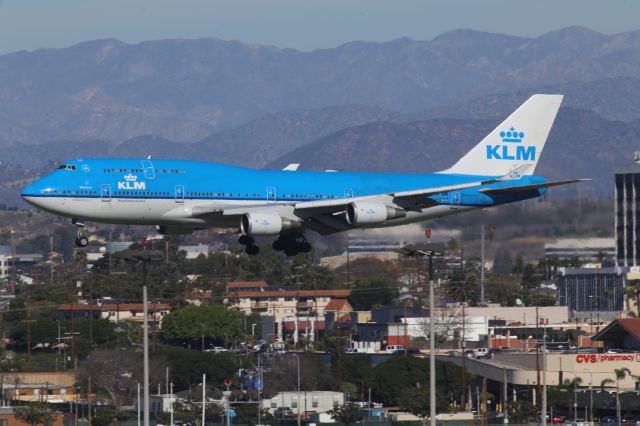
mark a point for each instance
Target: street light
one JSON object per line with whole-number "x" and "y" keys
{"x": 428, "y": 251}
{"x": 144, "y": 256}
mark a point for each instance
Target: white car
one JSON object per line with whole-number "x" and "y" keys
{"x": 394, "y": 349}
{"x": 216, "y": 349}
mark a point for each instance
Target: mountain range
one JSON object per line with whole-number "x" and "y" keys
{"x": 185, "y": 90}
{"x": 402, "y": 105}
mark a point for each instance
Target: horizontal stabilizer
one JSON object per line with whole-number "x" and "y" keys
{"x": 530, "y": 187}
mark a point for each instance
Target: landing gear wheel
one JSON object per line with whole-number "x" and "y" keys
{"x": 278, "y": 245}
{"x": 246, "y": 240}
{"x": 252, "y": 250}
{"x": 291, "y": 250}
{"x": 305, "y": 247}
{"x": 82, "y": 241}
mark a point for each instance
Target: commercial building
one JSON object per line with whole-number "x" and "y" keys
{"x": 627, "y": 214}
{"x": 591, "y": 289}
{"x": 585, "y": 249}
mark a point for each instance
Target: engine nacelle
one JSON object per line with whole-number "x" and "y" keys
{"x": 266, "y": 224}
{"x": 359, "y": 213}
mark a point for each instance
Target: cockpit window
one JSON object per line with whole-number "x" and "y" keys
{"x": 66, "y": 167}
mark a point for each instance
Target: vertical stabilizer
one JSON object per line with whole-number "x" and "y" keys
{"x": 516, "y": 144}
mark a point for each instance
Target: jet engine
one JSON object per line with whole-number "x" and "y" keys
{"x": 266, "y": 224}
{"x": 359, "y": 213}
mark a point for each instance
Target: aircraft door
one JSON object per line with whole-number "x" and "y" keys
{"x": 105, "y": 193}
{"x": 179, "y": 194}
{"x": 271, "y": 193}
{"x": 455, "y": 200}
{"x": 348, "y": 193}
{"x": 147, "y": 166}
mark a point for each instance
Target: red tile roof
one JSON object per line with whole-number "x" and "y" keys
{"x": 246, "y": 284}
{"x": 338, "y": 305}
{"x": 292, "y": 293}
{"x": 629, "y": 325}
{"x": 134, "y": 307}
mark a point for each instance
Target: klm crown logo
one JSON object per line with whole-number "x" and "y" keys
{"x": 512, "y": 136}
{"x": 130, "y": 178}
{"x": 511, "y": 152}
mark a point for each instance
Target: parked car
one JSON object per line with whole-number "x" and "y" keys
{"x": 282, "y": 412}
{"x": 351, "y": 351}
{"x": 394, "y": 349}
{"x": 216, "y": 349}
{"x": 559, "y": 419}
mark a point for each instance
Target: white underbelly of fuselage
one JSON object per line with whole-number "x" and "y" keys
{"x": 152, "y": 211}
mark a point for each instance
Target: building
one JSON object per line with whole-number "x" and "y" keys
{"x": 586, "y": 249}
{"x": 627, "y": 219}
{"x": 623, "y": 333}
{"x": 192, "y": 252}
{"x": 8, "y": 418}
{"x": 299, "y": 402}
{"x": 134, "y": 312}
{"x": 591, "y": 289}
{"x": 78, "y": 311}
{"x": 281, "y": 304}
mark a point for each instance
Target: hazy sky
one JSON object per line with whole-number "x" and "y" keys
{"x": 300, "y": 24}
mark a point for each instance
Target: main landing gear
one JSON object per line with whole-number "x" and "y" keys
{"x": 291, "y": 244}
{"x": 81, "y": 238}
{"x": 250, "y": 245}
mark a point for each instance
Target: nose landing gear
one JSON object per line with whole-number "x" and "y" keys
{"x": 81, "y": 238}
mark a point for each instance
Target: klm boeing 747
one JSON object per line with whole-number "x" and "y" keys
{"x": 179, "y": 197}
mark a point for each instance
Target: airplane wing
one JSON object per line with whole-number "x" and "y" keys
{"x": 516, "y": 188}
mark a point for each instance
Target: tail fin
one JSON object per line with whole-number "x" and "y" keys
{"x": 516, "y": 144}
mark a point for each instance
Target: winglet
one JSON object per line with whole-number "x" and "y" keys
{"x": 291, "y": 167}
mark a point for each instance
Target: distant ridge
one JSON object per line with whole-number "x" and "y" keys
{"x": 186, "y": 90}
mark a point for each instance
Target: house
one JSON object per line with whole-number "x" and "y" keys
{"x": 78, "y": 311}
{"x": 281, "y": 304}
{"x": 134, "y": 311}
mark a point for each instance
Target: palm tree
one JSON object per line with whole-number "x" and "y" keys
{"x": 620, "y": 373}
{"x": 633, "y": 290}
{"x": 571, "y": 386}
{"x": 463, "y": 287}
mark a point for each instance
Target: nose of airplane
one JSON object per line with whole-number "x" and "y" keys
{"x": 32, "y": 192}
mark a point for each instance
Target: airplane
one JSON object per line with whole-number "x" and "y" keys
{"x": 180, "y": 196}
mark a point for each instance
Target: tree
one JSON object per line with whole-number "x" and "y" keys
{"x": 415, "y": 401}
{"x": 521, "y": 411}
{"x": 502, "y": 262}
{"x": 34, "y": 414}
{"x": 463, "y": 287}
{"x": 248, "y": 414}
{"x": 347, "y": 413}
{"x": 371, "y": 292}
{"x": 199, "y": 322}
{"x": 620, "y": 373}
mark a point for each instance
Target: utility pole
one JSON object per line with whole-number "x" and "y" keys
{"x": 482, "y": 301}
{"x": 29, "y": 329}
{"x": 145, "y": 348}
{"x": 544, "y": 378}
{"x": 89, "y": 402}
{"x": 204, "y": 399}
{"x": 432, "y": 347}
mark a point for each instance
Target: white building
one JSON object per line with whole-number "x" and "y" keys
{"x": 318, "y": 401}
